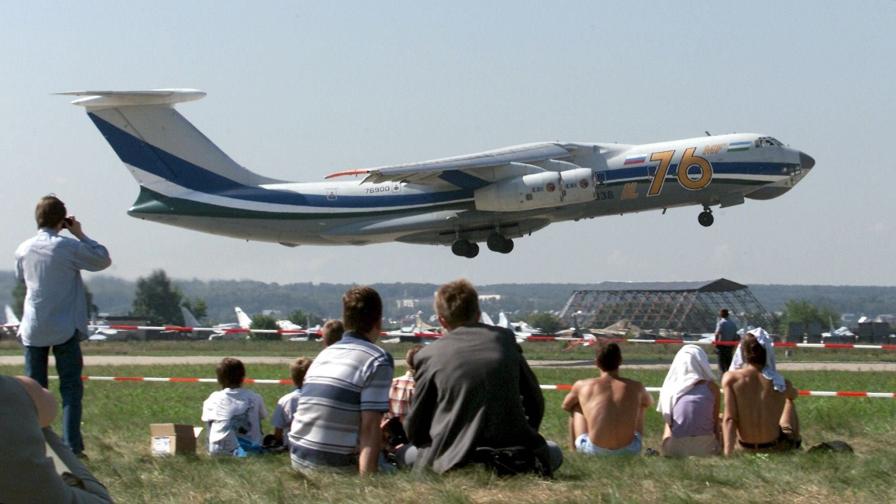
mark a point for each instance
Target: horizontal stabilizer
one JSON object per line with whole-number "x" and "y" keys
{"x": 104, "y": 99}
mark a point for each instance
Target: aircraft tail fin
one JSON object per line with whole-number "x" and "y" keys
{"x": 159, "y": 146}
{"x": 189, "y": 318}
{"x": 244, "y": 320}
{"x": 503, "y": 321}
{"x": 485, "y": 319}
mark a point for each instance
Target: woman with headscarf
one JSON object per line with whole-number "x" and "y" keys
{"x": 689, "y": 402}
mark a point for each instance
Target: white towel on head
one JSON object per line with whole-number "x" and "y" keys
{"x": 770, "y": 372}
{"x": 690, "y": 366}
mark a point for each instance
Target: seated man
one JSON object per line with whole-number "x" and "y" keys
{"x": 29, "y": 473}
{"x": 474, "y": 390}
{"x": 607, "y": 411}
{"x": 759, "y": 410}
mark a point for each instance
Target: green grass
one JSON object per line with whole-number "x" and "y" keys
{"x": 634, "y": 353}
{"x": 117, "y": 416}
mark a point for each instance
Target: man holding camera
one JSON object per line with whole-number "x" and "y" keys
{"x": 55, "y": 311}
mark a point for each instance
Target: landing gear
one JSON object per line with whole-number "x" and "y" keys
{"x": 465, "y": 248}
{"x": 498, "y": 243}
{"x": 705, "y": 218}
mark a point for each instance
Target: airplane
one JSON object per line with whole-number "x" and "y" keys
{"x": 231, "y": 330}
{"x": 493, "y": 196}
{"x": 521, "y": 329}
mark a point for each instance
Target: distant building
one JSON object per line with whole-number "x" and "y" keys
{"x": 691, "y": 307}
{"x": 489, "y": 297}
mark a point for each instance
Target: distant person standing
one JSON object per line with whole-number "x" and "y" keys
{"x": 55, "y": 314}
{"x": 726, "y": 331}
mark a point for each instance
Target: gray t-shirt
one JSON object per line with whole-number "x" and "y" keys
{"x": 727, "y": 330}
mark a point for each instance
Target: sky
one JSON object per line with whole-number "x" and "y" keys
{"x": 297, "y": 90}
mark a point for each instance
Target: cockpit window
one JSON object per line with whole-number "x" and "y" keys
{"x": 767, "y": 142}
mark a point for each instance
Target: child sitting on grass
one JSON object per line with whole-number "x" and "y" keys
{"x": 286, "y": 405}
{"x": 233, "y": 415}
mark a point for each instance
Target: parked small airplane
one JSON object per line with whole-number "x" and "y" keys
{"x": 521, "y": 329}
{"x": 493, "y": 196}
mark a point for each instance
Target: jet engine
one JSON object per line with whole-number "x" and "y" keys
{"x": 537, "y": 190}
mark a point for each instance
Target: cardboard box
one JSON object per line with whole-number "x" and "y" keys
{"x": 172, "y": 439}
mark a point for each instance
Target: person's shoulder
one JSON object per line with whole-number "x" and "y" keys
{"x": 631, "y": 383}
{"x": 731, "y": 377}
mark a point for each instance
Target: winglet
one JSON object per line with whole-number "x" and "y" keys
{"x": 105, "y": 99}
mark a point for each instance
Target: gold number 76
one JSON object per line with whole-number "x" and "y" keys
{"x": 688, "y": 159}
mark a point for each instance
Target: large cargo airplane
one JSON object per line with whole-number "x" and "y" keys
{"x": 493, "y": 196}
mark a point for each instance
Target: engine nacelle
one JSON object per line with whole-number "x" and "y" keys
{"x": 538, "y": 190}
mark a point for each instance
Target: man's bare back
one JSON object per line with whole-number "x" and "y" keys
{"x": 755, "y": 413}
{"x": 612, "y": 407}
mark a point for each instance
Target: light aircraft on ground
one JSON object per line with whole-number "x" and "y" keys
{"x": 521, "y": 329}
{"x": 493, "y": 196}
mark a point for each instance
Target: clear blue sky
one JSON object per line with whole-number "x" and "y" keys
{"x": 297, "y": 90}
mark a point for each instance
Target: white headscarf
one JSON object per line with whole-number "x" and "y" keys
{"x": 770, "y": 372}
{"x": 689, "y": 367}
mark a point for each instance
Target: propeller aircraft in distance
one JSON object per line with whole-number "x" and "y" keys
{"x": 493, "y": 196}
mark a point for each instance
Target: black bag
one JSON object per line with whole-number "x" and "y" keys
{"x": 511, "y": 461}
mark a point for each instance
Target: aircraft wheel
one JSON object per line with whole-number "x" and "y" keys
{"x": 705, "y": 218}
{"x": 495, "y": 242}
{"x": 506, "y": 247}
{"x": 459, "y": 247}
{"x": 472, "y": 250}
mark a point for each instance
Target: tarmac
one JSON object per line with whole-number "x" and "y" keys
{"x": 153, "y": 360}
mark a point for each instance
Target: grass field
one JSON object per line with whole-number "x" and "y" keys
{"x": 117, "y": 416}
{"x": 633, "y": 352}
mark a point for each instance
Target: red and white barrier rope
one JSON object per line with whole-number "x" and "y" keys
{"x": 533, "y": 338}
{"x": 559, "y": 387}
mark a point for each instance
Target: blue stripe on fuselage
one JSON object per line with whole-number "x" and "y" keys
{"x": 160, "y": 163}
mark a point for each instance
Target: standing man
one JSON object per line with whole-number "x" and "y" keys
{"x": 726, "y": 331}
{"x": 55, "y": 314}
{"x": 474, "y": 391}
{"x": 345, "y": 394}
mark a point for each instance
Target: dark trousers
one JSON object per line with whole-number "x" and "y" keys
{"x": 69, "y": 364}
{"x": 725, "y": 353}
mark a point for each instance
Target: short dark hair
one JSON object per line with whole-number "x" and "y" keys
{"x": 409, "y": 357}
{"x": 332, "y": 332}
{"x": 723, "y": 313}
{"x": 609, "y": 357}
{"x": 49, "y": 212}
{"x": 231, "y": 372}
{"x": 457, "y": 303}
{"x": 362, "y": 309}
{"x": 753, "y": 351}
{"x": 297, "y": 370}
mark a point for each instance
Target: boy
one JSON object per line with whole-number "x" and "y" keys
{"x": 286, "y": 405}
{"x": 233, "y": 415}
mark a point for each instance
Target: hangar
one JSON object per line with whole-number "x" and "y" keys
{"x": 686, "y": 307}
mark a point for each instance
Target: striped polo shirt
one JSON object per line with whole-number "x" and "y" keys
{"x": 346, "y": 378}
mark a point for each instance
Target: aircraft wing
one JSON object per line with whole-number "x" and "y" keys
{"x": 473, "y": 170}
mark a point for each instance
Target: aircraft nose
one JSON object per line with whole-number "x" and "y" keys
{"x": 806, "y": 161}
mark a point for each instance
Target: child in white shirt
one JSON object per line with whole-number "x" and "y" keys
{"x": 286, "y": 405}
{"x": 233, "y": 415}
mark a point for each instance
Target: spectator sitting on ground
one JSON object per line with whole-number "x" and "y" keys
{"x": 689, "y": 402}
{"x": 29, "y": 474}
{"x": 759, "y": 410}
{"x": 607, "y": 413}
{"x": 474, "y": 394}
{"x": 286, "y": 405}
{"x": 331, "y": 332}
{"x": 233, "y": 415}
{"x": 345, "y": 394}
{"x": 402, "y": 391}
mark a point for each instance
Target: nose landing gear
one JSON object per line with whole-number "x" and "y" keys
{"x": 705, "y": 218}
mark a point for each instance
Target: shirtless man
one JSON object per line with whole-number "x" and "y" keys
{"x": 757, "y": 416}
{"x": 608, "y": 411}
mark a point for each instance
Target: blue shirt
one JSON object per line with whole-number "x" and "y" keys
{"x": 55, "y": 302}
{"x": 346, "y": 378}
{"x": 727, "y": 330}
